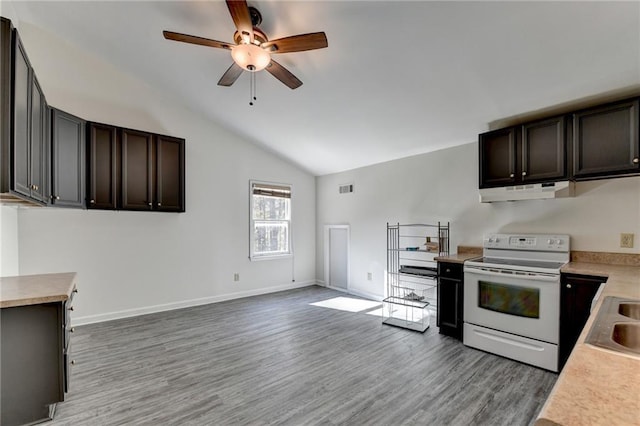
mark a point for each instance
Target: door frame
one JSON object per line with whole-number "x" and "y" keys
{"x": 327, "y": 257}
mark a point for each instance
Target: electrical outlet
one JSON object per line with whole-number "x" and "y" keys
{"x": 369, "y": 276}
{"x": 236, "y": 277}
{"x": 626, "y": 240}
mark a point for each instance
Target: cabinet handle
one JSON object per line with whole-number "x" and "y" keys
{"x": 150, "y": 204}
{"x": 92, "y": 201}
{"x": 159, "y": 204}
{"x": 71, "y": 308}
{"x": 448, "y": 270}
{"x": 636, "y": 160}
{"x": 568, "y": 285}
{"x": 512, "y": 175}
{"x": 57, "y": 197}
{"x": 73, "y": 362}
{"x": 75, "y": 290}
{"x": 524, "y": 173}
{"x": 72, "y": 329}
{"x": 35, "y": 187}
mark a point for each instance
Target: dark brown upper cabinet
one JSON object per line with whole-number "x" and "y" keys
{"x": 169, "y": 186}
{"x": 605, "y": 140}
{"x": 544, "y": 150}
{"x": 498, "y": 158}
{"x": 29, "y": 149}
{"x": 532, "y": 152}
{"x": 134, "y": 170}
{"x": 68, "y": 160}
{"x": 24, "y": 125}
{"x": 137, "y": 169}
{"x": 102, "y": 162}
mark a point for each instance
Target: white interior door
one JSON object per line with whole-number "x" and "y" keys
{"x": 337, "y": 259}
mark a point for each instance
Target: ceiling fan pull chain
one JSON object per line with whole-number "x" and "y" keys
{"x": 250, "y": 89}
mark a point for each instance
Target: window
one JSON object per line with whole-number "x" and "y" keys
{"x": 270, "y": 230}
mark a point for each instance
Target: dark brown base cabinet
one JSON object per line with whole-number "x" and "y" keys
{"x": 35, "y": 356}
{"x": 576, "y": 294}
{"x": 450, "y": 299}
{"x": 134, "y": 170}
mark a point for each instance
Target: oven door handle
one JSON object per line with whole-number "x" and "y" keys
{"x": 536, "y": 277}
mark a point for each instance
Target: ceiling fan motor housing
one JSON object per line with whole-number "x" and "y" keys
{"x": 256, "y": 17}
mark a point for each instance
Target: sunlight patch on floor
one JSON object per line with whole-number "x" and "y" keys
{"x": 347, "y": 304}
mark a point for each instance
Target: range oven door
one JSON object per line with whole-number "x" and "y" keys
{"x": 523, "y": 304}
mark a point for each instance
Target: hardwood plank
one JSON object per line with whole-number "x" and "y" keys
{"x": 276, "y": 359}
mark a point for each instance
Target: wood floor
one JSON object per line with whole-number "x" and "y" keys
{"x": 276, "y": 359}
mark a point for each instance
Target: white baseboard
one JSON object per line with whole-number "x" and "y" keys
{"x": 366, "y": 295}
{"x": 127, "y": 313}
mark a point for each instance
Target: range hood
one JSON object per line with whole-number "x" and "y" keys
{"x": 534, "y": 191}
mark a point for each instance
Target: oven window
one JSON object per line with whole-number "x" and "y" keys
{"x": 509, "y": 299}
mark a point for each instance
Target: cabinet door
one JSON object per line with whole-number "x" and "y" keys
{"x": 137, "y": 170}
{"x": 448, "y": 302}
{"x": 544, "y": 150}
{"x": 102, "y": 175}
{"x": 605, "y": 140}
{"x": 6, "y": 71}
{"x": 576, "y": 295}
{"x": 21, "y": 120}
{"x": 498, "y": 158}
{"x": 68, "y": 165}
{"x": 169, "y": 186}
{"x": 38, "y": 122}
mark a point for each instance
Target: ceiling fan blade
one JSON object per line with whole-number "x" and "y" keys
{"x": 282, "y": 74}
{"x": 231, "y": 75}
{"x": 297, "y": 43}
{"x": 169, "y": 35}
{"x": 241, "y": 18}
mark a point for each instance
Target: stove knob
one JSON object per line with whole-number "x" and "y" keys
{"x": 490, "y": 239}
{"x": 559, "y": 242}
{"x": 549, "y": 241}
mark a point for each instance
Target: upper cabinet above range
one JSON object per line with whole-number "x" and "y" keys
{"x": 594, "y": 143}
{"x": 529, "y": 153}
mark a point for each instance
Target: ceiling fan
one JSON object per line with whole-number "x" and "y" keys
{"x": 252, "y": 49}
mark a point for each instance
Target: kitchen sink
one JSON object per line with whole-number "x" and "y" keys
{"x": 631, "y": 310}
{"x": 617, "y": 326}
{"x": 627, "y": 335}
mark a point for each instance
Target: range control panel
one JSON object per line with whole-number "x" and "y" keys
{"x": 531, "y": 242}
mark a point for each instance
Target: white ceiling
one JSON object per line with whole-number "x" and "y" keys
{"x": 398, "y": 78}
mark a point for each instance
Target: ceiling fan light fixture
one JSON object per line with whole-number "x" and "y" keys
{"x": 250, "y": 57}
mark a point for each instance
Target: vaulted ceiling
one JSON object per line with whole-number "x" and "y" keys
{"x": 398, "y": 78}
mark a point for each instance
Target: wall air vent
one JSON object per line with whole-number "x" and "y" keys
{"x": 346, "y": 188}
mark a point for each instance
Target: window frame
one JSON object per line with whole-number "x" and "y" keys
{"x": 259, "y": 257}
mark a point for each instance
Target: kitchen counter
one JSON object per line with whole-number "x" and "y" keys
{"x": 464, "y": 253}
{"x": 597, "y": 386}
{"x": 27, "y": 290}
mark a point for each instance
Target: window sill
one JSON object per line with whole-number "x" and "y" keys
{"x": 270, "y": 257}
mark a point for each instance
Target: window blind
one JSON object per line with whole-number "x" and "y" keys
{"x": 271, "y": 190}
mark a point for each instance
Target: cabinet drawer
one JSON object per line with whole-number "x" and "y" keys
{"x": 450, "y": 270}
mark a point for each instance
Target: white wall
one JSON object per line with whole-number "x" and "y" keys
{"x": 443, "y": 185}
{"x": 134, "y": 262}
{"x": 9, "y": 264}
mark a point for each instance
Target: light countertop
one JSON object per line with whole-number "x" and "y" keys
{"x": 26, "y": 290}
{"x": 597, "y": 386}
